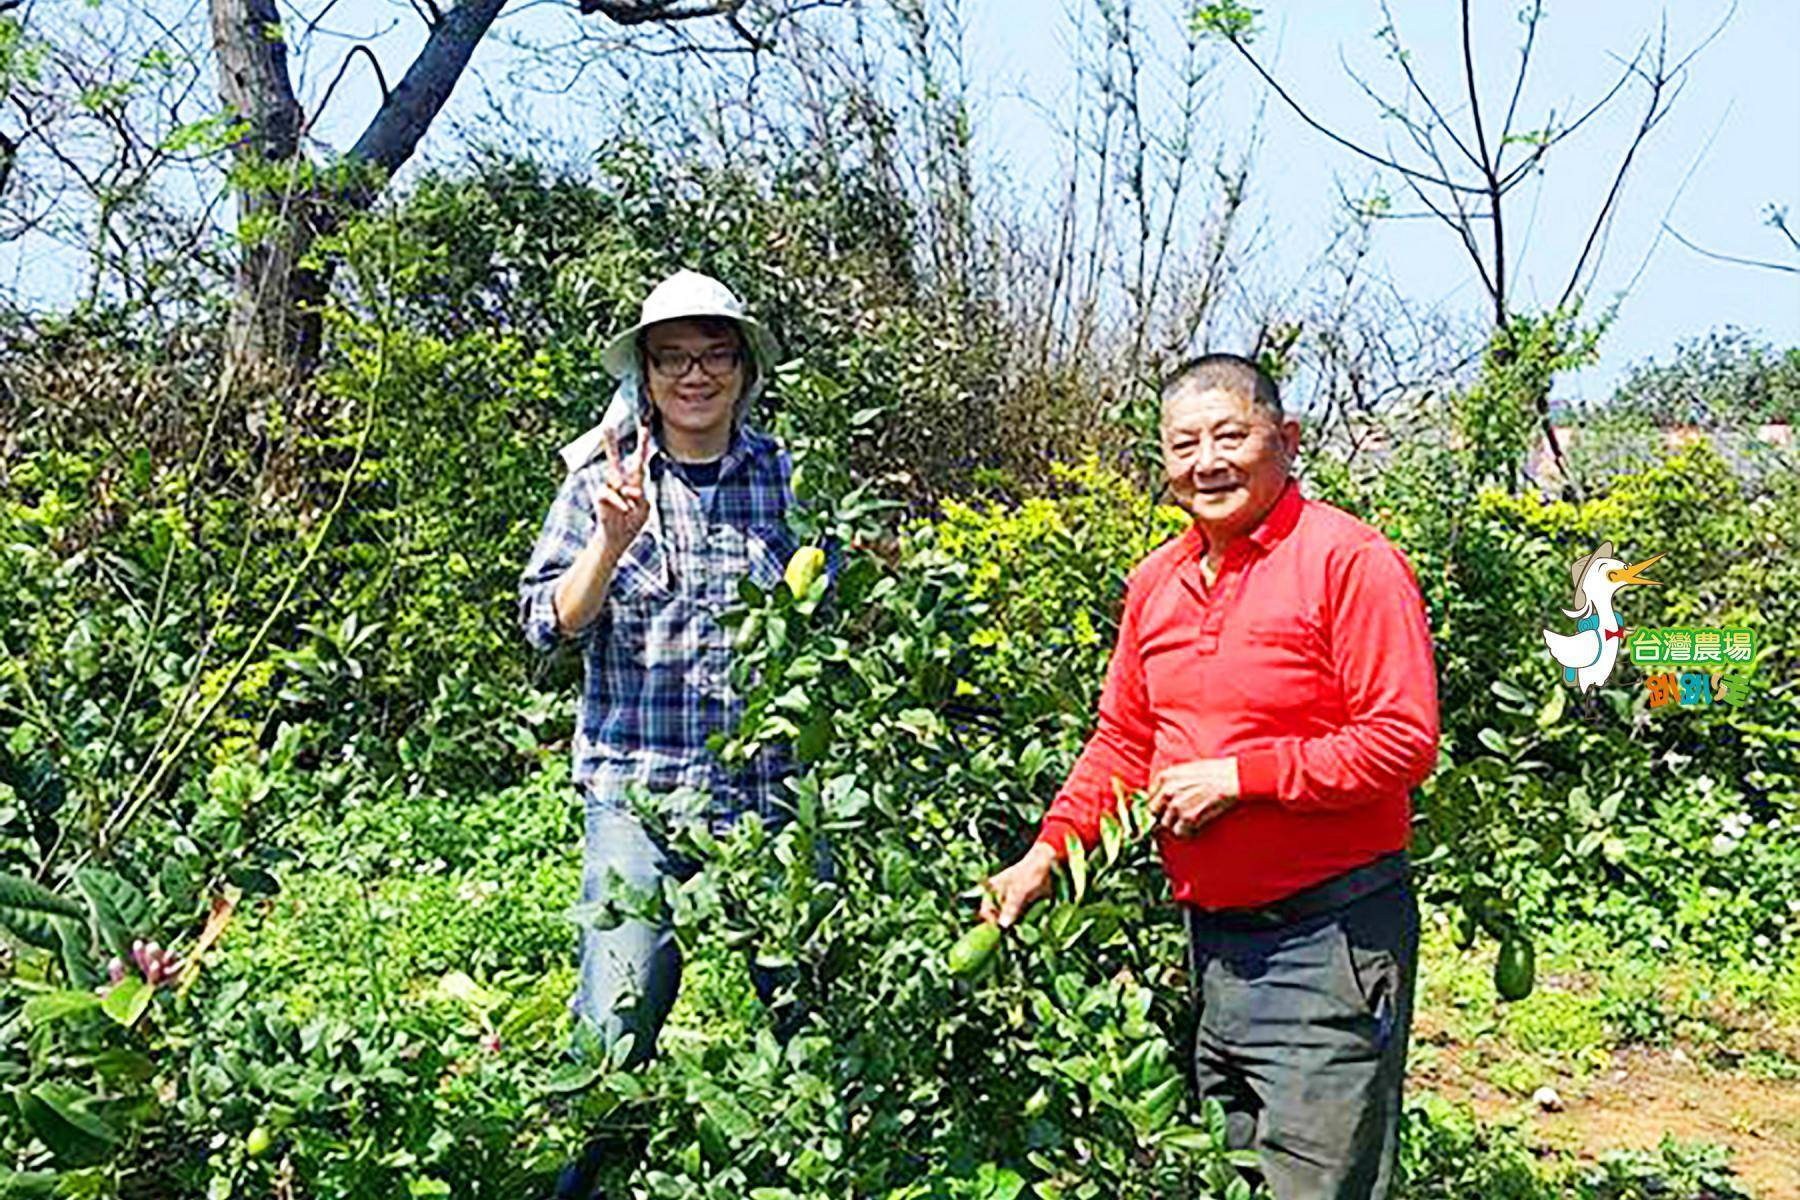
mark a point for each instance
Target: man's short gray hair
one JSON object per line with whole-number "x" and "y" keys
{"x": 1226, "y": 372}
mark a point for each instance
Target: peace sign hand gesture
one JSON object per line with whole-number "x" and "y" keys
{"x": 620, "y": 506}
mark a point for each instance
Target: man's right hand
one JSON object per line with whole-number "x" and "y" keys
{"x": 620, "y": 507}
{"x": 1012, "y": 891}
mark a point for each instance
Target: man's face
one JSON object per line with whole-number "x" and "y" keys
{"x": 1226, "y": 459}
{"x": 710, "y": 361}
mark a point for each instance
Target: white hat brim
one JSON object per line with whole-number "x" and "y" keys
{"x": 620, "y": 355}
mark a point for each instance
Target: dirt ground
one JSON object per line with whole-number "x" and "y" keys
{"x": 1630, "y": 1104}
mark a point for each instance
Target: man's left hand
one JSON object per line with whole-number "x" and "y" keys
{"x": 1186, "y": 796}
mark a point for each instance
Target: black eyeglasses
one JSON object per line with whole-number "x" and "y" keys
{"x": 715, "y": 362}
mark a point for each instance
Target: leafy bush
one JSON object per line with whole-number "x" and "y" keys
{"x": 1057, "y": 1070}
{"x": 1606, "y": 810}
{"x": 263, "y": 687}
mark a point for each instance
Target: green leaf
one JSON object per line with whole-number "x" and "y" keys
{"x": 1231, "y": 21}
{"x": 121, "y": 910}
{"x": 1077, "y": 864}
{"x": 1553, "y": 708}
{"x": 1508, "y": 692}
{"x": 1142, "y": 820}
{"x": 1493, "y": 740}
{"x": 27, "y": 911}
{"x": 54, "y": 1006}
{"x": 428, "y": 1187}
{"x": 77, "y": 956}
{"x": 121, "y": 1066}
{"x": 1112, "y": 838}
{"x": 253, "y": 880}
{"x": 815, "y": 737}
{"x": 1163, "y": 1100}
{"x": 1187, "y": 1138}
{"x": 62, "y": 1119}
{"x": 458, "y": 986}
{"x": 127, "y": 1000}
{"x": 998, "y": 1183}
{"x": 27, "y": 1185}
{"x": 573, "y": 1077}
{"x": 730, "y": 1116}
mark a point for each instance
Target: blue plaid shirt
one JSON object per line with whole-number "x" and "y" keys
{"x": 658, "y": 663}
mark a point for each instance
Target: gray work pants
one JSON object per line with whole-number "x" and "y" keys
{"x": 1301, "y": 1036}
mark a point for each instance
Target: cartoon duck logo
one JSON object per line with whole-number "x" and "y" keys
{"x": 1587, "y": 655}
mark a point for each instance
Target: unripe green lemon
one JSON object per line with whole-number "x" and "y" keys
{"x": 1515, "y": 971}
{"x": 973, "y": 949}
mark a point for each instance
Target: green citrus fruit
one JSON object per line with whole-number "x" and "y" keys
{"x": 1515, "y": 971}
{"x": 973, "y": 949}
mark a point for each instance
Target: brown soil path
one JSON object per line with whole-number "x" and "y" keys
{"x": 1644, "y": 1094}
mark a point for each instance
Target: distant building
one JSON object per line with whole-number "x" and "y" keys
{"x": 1746, "y": 449}
{"x": 1596, "y": 451}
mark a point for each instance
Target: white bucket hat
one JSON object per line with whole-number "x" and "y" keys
{"x": 683, "y": 294}
{"x": 691, "y": 294}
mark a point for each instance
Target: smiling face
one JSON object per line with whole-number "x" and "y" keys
{"x": 696, "y": 372}
{"x": 1227, "y": 458}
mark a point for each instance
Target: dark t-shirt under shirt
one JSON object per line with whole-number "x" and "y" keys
{"x": 697, "y": 474}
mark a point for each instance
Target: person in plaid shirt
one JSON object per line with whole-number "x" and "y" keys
{"x": 667, "y": 504}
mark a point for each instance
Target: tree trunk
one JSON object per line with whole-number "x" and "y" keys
{"x": 274, "y": 320}
{"x": 275, "y": 327}
{"x": 282, "y": 210}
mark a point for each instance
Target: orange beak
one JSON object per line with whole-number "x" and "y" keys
{"x": 1630, "y": 574}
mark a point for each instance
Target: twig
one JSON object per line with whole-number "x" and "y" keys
{"x": 125, "y": 815}
{"x": 332, "y": 86}
{"x": 1730, "y": 258}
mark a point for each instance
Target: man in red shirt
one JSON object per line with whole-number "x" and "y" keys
{"x": 1273, "y": 688}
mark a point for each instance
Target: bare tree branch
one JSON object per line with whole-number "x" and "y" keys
{"x": 1461, "y": 220}
{"x": 1340, "y": 139}
{"x": 9, "y": 155}
{"x": 394, "y": 134}
{"x": 1654, "y": 111}
{"x": 380, "y": 79}
{"x": 1532, "y": 19}
{"x": 738, "y": 27}
{"x": 1730, "y": 258}
{"x": 319, "y": 19}
{"x": 1778, "y": 219}
{"x": 1400, "y": 56}
{"x": 1497, "y": 283}
{"x": 644, "y": 12}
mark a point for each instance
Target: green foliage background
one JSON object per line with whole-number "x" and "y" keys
{"x": 379, "y": 786}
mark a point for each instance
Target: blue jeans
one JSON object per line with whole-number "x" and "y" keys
{"x": 631, "y": 973}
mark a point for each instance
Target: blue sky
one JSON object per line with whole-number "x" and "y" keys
{"x": 1733, "y": 135}
{"x": 1729, "y": 148}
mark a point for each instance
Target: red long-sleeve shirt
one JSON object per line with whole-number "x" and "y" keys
{"x": 1309, "y": 660}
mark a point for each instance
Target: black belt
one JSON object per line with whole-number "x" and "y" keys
{"x": 1326, "y": 896}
